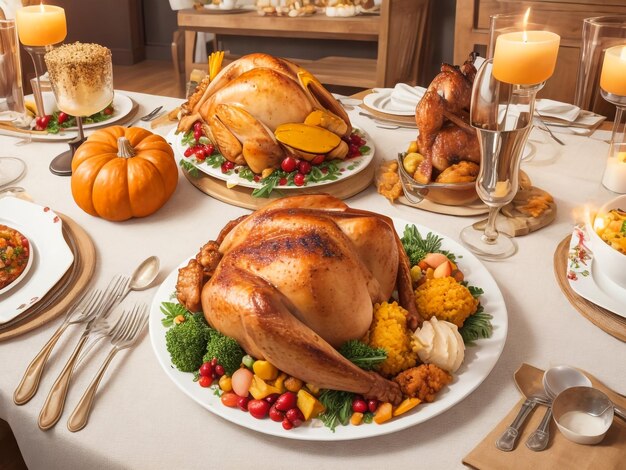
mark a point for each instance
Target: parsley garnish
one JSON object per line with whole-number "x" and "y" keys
{"x": 417, "y": 247}
{"x": 171, "y": 310}
{"x": 338, "y": 406}
{"x": 188, "y": 167}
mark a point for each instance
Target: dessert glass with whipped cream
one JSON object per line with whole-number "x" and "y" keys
{"x": 81, "y": 76}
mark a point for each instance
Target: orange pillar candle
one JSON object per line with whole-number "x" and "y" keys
{"x": 525, "y": 57}
{"x": 613, "y": 76}
{"x": 41, "y": 25}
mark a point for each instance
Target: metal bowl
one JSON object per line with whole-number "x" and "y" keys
{"x": 449, "y": 194}
{"x": 583, "y": 414}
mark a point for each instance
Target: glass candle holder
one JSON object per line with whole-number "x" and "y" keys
{"x": 613, "y": 90}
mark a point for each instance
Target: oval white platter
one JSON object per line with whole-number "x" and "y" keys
{"x": 479, "y": 361}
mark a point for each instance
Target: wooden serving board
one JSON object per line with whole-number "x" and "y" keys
{"x": 85, "y": 256}
{"x": 242, "y": 197}
{"x": 607, "y": 321}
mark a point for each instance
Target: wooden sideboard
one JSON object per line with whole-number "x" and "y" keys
{"x": 564, "y": 17}
{"x": 398, "y": 31}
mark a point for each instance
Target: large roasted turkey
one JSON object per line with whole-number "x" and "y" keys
{"x": 261, "y": 108}
{"x": 295, "y": 280}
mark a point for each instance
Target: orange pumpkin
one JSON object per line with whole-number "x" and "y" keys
{"x": 119, "y": 173}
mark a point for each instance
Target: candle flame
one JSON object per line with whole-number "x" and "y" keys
{"x": 525, "y": 25}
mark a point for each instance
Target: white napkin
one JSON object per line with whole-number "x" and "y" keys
{"x": 556, "y": 109}
{"x": 404, "y": 97}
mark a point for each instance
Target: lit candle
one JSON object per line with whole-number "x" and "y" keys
{"x": 613, "y": 76}
{"x": 525, "y": 57}
{"x": 615, "y": 173}
{"x": 41, "y": 25}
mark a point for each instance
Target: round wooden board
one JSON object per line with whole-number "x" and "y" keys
{"x": 242, "y": 197}
{"x": 609, "y": 322}
{"x": 86, "y": 256}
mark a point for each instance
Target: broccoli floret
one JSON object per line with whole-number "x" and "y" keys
{"x": 226, "y": 350}
{"x": 186, "y": 343}
{"x": 363, "y": 355}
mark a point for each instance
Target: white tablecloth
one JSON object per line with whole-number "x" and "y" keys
{"x": 141, "y": 419}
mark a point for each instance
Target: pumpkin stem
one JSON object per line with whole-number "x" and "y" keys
{"x": 124, "y": 149}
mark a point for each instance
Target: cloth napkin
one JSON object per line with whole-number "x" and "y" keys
{"x": 556, "y": 109}
{"x": 561, "y": 453}
{"x": 404, "y": 98}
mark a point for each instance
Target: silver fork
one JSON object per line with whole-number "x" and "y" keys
{"x": 148, "y": 117}
{"x": 125, "y": 336}
{"x": 55, "y": 401}
{"x": 81, "y": 312}
{"x": 545, "y": 127}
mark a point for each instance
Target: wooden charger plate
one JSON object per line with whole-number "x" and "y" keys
{"x": 85, "y": 256}
{"x": 242, "y": 197}
{"x": 607, "y": 321}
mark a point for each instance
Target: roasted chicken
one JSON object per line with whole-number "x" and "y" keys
{"x": 297, "y": 279}
{"x": 445, "y": 137}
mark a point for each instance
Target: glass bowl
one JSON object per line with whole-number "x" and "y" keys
{"x": 448, "y": 194}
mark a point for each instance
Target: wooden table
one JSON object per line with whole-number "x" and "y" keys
{"x": 398, "y": 31}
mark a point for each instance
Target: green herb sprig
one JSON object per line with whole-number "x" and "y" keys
{"x": 476, "y": 326}
{"x": 363, "y": 355}
{"x": 417, "y": 247}
{"x": 338, "y": 406}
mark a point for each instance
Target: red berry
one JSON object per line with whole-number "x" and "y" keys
{"x": 227, "y": 166}
{"x": 318, "y": 159}
{"x": 287, "y": 425}
{"x": 188, "y": 151}
{"x": 242, "y": 403}
{"x": 197, "y": 126}
{"x": 276, "y": 415}
{"x": 62, "y": 117}
{"x": 209, "y": 149}
{"x": 282, "y": 181}
{"x": 271, "y": 398}
{"x": 354, "y": 150}
{"x": 304, "y": 167}
{"x": 359, "y": 405}
{"x": 197, "y": 134}
{"x": 286, "y": 401}
{"x": 295, "y": 416}
{"x": 205, "y": 381}
{"x": 324, "y": 170}
{"x": 219, "y": 370}
{"x": 108, "y": 110}
{"x": 200, "y": 155}
{"x": 214, "y": 361}
{"x": 206, "y": 370}
{"x": 288, "y": 164}
{"x": 356, "y": 140}
{"x": 258, "y": 408}
{"x": 298, "y": 179}
{"x": 256, "y": 178}
{"x": 372, "y": 405}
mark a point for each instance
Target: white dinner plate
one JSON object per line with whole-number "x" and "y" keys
{"x": 347, "y": 168}
{"x": 51, "y": 255}
{"x": 380, "y": 100}
{"x": 588, "y": 281}
{"x": 479, "y": 361}
{"x": 122, "y": 105}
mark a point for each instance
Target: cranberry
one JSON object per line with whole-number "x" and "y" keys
{"x": 189, "y": 151}
{"x": 200, "y": 155}
{"x": 295, "y": 416}
{"x": 359, "y": 405}
{"x": 354, "y": 150}
{"x": 242, "y": 403}
{"x": 62, "y": 117}
{"x": 205, "y": 381}
{"x": 256, "y": 178}
{"x": 356, "y": 140}
{"x": 286, "y": 401}
{"x": 206, "y": 370}
{"x": 271, "y": 399}
{"x": 209, "y": 149}
{"x": 227, "y": 166}
{"x": 288, "y": 164}
{"x": 276, "y": 415}
{"x": 318, "y": 159}
{"x": 372, "y": 405}
{"x": 287, "y": 425}
{"x": 214, "y": 361}
{"x": 219, "y": 370}
{"x": 197, "y": 134}
{"x": 282, "y": 181}
{"x": 258, "y": 408}
{"x": 298, "y": 179}
{"x": 197, "y": 126}
{"x": 304, "y": 167}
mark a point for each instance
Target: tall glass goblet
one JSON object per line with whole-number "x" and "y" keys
{"x": 81, "y": 76}
{"x": 502, "y": 115}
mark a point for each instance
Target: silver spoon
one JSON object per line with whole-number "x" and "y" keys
{"x": 555, "y": 380}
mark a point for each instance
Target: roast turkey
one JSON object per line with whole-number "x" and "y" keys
{"x": 295, "y": 280}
